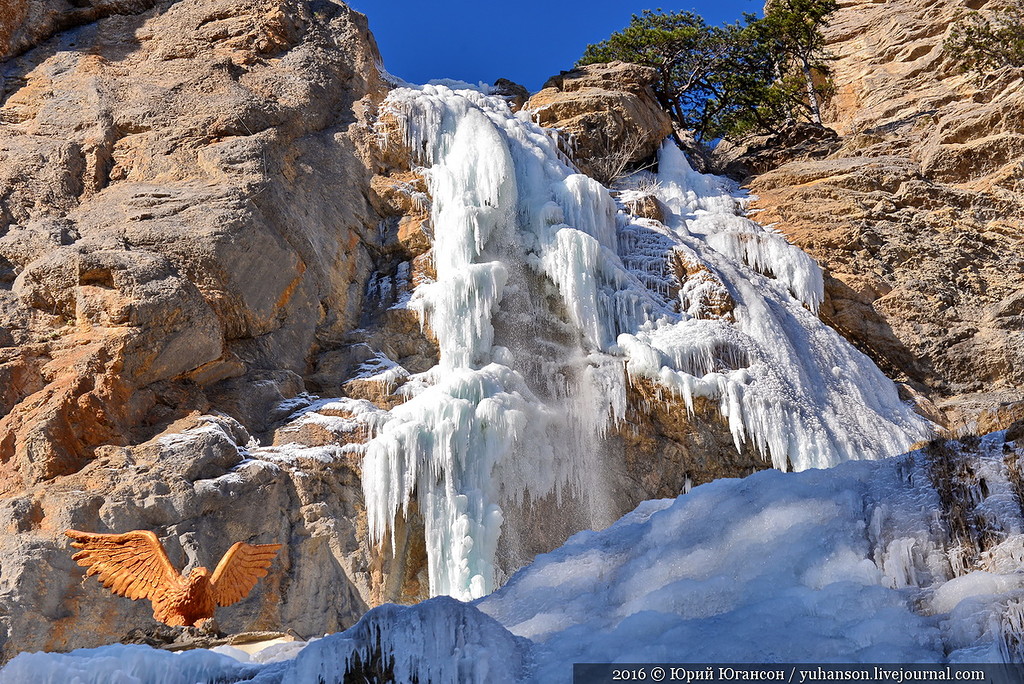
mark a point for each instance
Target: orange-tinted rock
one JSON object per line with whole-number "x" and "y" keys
{"x": 646, "y": 206}
{"x": 176, "y": 209}
{"x": 53, "y": 431}
{"x": 704, "y": 293}
{"x": 609, "y": 113}
{"x": 378, "y": 392}
{"x": 415, "y": 235}
{"x": 400, "y": 193}
{"x": 667, "y": 448}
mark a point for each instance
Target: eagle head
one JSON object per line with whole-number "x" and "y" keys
{"x": 198, "y": 576}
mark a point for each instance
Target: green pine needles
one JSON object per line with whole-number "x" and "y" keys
{"x": 983, "y": 43}
{"x": 727, "y": 81}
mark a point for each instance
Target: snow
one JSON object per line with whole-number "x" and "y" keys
{"x": 707, "y": 206}
{"x": 124, "y": 664}
{"x": 972, "y": 585}
{"x": 775, "y": 567}
{"x": 441, "y": 640}
{"x": 783, "y": 380}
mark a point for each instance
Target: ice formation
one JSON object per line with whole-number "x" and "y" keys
{"x": 485, "y": 428}
{"x": 509, "y": 410}
{"x": 124, "y": 664}
{"x": 441, "y": 640}
{"x": 849, "y": 564}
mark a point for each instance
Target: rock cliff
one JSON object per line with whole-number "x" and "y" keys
{"x": 205, "y": 221}
{"x": 175, "y": 241}
{"x": 917, "y": 210}
{"x": 202, "y": 218}
{"x": 607, "y": 113}
{"x": 172, "y": 220}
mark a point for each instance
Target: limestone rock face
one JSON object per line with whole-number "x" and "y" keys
{"x": 198, "y": 486}
{"x": 170, "y": 215}
{"x": 515, "y": 94}
{"x": 175, "y": 241}
{"x": 754, "y": 155}
{"x": 667, "y": 449}
{"x": 608, "y": 111}
{"x": 26, "y": 23}
{"x": 918, "y": 216}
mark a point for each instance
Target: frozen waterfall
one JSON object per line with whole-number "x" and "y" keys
{"x": 508, "y": 412}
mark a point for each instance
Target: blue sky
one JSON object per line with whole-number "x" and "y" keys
{"x": 526, "y": 41}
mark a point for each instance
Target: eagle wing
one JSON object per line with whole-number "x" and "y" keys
{"x": 239, "y": 570}
{"x": 133, "y": 564}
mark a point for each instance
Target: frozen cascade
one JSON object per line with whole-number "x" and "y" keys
{"x": 801, "y": 394}
{"x": 483, "y": 431}
{"x": 505, "y": 413}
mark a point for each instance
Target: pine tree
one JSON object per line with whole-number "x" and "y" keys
{"x": 726, "y": 81}
{"x": 793, "y": 29}
{"x": 688, "y": 55}
{"x": 983, "y": 43}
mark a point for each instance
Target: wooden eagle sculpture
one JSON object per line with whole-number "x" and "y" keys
{"x": 134, "y": 564}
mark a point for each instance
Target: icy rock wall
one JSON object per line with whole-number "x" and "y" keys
{"x": 505, "y": 413}
{"x": 802, "y": 394}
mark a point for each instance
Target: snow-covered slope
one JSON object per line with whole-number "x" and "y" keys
{"x": 850, "y": 564}
{"x": 775, "y": 567}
